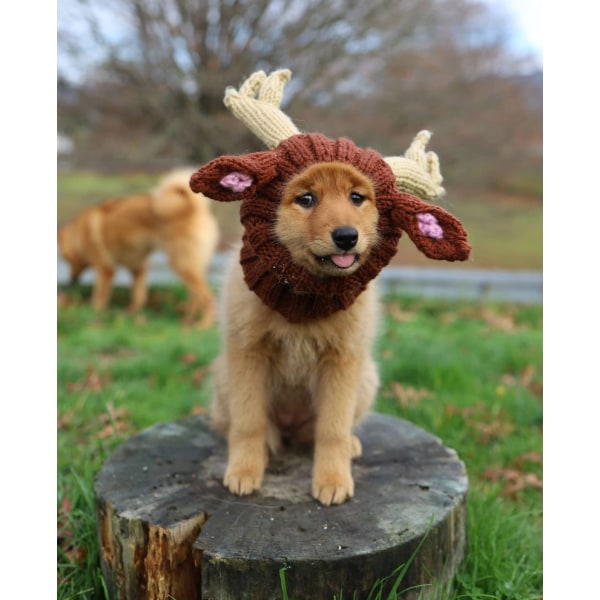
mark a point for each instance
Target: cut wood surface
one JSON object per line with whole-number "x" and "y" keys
{"x": 169, "y": 529}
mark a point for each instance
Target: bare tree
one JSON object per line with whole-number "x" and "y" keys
{"x": 146, "y": 77}
{"x": 467, "y": 88}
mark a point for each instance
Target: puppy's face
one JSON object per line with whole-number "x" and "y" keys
{"x": 327, "y": 219}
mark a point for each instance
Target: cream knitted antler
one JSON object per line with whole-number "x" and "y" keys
{"x": 418, "y": 172}
{"x": 257, "y": 102}
{"x": 262, "y": 114}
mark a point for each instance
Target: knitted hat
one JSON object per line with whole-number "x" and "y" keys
{"x": 258, "y": 179}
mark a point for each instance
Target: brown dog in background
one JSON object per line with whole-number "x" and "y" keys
{"x": 124, "y": 232}
{"x": 307, "y": 381}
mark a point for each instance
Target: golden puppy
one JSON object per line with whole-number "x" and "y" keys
{"x": 302, "y": 380}
{"x": 321, "y": 219}
{"x": 125, "y": 231}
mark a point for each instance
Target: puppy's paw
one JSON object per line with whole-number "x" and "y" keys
{"x": 333, "y": 489}
{"x": 243, "y": 480}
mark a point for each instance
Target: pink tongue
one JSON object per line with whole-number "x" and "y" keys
{"x": 343, "y": 260}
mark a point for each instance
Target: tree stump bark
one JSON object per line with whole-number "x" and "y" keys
{"x": 169, "y": 529}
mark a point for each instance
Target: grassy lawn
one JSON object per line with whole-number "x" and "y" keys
{"x": 469, "y": 373}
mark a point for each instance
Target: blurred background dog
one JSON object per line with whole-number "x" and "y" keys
{"x": 125, "y": 231}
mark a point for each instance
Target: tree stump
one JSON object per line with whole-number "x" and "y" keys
{"x": 169, "y": 529}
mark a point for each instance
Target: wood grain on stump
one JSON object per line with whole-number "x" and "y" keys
{"x": 169, "y": 529}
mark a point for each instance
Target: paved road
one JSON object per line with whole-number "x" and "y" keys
{"x": 468, "y": 284}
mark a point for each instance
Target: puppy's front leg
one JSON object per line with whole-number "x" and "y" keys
{"x": 334, "y": 445}
{"x": 247, "y": 435}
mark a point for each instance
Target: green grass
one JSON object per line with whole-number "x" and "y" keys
{"x": 469, "y": 373}
{"x": 505, "y": 230}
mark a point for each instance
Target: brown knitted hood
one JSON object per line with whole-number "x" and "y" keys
{"x": 257, "y": 179}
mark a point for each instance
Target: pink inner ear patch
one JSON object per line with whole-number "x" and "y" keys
{"x": 236, "y": 182}
{"x": 429, "y": 226}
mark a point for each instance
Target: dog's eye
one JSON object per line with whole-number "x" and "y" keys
{"x": 306, "y": 200}
{"x": 356, "y": 198}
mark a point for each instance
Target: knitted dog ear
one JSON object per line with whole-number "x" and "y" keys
{"x": 230, "y": 178}
{"x": 434, "y": 231}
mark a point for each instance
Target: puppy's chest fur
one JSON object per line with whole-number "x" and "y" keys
{"x": 295, "y": 352}
{"x": 294, "y": 357}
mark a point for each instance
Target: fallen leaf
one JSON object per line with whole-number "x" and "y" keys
{"x": 63, "y": 529}
{"x": 198, "y": 376}
{"x": 398, "y": 314}
{"x": 480, "y": 418}
{"x": 536, "y": 457}
{"x": 140, "y": 319}
{"x": 495, "y": 320}
{"x": 515, "y": 479}
{"x": 492, "y": 430}
{"x": 536, "y": 388}
{"x": 113, "y": 422}
{"x": 408, "y": 396}
{"x": 448, "y": 318}
{"x": 92, "y": 381}
{"x": 110, "y": 430}
{"x": 527, "y": 375}
{"x": 524, "y": 379}
{"x": 65, "y": 536}
{"x": 65, "y": 419}
{"x": 188, "y": 358}
{"x": 497, "y": 473}
{"x": 527, "y": 480}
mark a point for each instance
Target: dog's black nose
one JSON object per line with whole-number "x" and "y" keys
{"x": 345, "y": 237}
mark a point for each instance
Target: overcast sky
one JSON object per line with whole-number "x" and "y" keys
{"x": 527, "y": 16}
